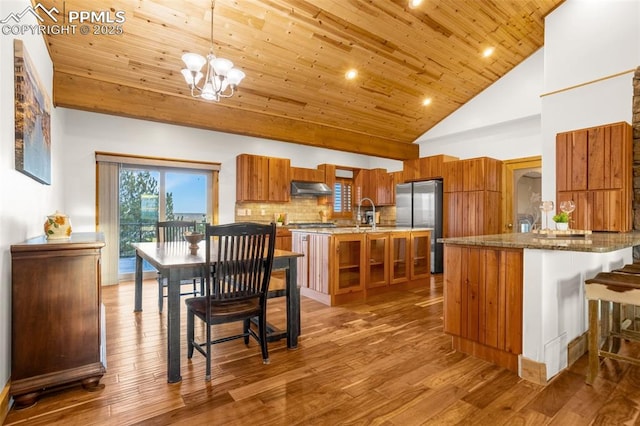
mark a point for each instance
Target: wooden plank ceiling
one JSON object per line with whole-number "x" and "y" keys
{"x": 295, "y": 54}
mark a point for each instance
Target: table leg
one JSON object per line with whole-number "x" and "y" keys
{"x": 138, "y": 285}
{"x": 293, "y": 304}
{"x": 173, "y": 326}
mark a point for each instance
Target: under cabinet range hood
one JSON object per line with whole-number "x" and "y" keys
{"x": 314, "y": 189}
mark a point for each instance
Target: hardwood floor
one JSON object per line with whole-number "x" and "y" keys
{"x": 383, "y": 362}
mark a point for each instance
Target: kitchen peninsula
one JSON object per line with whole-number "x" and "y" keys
{"x": 346, "y": 264}
{"x": 517, "y": 300}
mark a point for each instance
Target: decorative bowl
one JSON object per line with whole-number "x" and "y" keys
{"x": 193, "y": 238}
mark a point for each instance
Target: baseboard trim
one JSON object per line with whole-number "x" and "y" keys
{"x": 577, "y": 347}
{"x": 533, "y": 371}
{"x": 4, "y": 402}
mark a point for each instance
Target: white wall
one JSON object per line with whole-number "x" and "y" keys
{"x": 85, "y": 133}
{"x": 24, "y": 203}
{"x": 502, "y": 122}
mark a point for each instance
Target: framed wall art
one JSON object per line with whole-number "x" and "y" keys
{"x": 32, "y": 119}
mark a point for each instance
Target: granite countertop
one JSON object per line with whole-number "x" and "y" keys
{"x": 354, "y": 230}
{"x": 597, "y": 242}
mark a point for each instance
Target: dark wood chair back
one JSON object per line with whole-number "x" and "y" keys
{"x": 173, "y": 230}
{"x": 239, "y": 258}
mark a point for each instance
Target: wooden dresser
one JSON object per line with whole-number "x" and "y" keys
{"x": 57, "y": 329}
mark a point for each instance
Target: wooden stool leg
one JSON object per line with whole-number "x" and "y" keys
{"x": 594, "y": 359}
{"x": 616, "y": 323}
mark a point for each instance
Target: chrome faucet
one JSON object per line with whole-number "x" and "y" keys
{"x": 373, "y": 222}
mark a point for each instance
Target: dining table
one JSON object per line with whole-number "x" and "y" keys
{"x": 176, "y": 262}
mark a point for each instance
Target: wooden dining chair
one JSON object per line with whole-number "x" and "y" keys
{"x": 239, "y": 259}
{"x": 173, "y": 230}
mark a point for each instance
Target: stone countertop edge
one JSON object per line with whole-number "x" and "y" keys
{"x": 597, "y": 242}
{"x": 363, "y": 230}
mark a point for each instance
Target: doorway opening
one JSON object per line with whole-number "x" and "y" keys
{"x": 527, "y": 185}
{"x": 521, "y": 193}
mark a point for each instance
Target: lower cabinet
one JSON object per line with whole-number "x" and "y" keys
{"x": 420, "y": 266}
{"x": 399, "y": 245}
{"x": 377, "y": 262}
{"x": 57, "y": 331}
{"x": 348, "y": 263}
{"x": 338, "y": 268}
{"x": 283, "y": 239}
{"x": 483, "y": 302}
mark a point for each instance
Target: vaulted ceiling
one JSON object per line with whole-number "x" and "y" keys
{"x": 295, "y": 54}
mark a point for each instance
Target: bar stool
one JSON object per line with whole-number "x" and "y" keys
{"x": 631, "y": 311}
{"x": 618, "y": 288}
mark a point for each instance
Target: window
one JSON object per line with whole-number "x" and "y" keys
{"x": 149, "y": 194}
{"x": 342, "y": 197}
{"x": 135, "y": 191}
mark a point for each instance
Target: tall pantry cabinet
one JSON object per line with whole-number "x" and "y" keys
{"x": 472, "y": 196}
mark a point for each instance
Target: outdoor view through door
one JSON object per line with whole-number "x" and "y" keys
{"x": 151, "y": 194}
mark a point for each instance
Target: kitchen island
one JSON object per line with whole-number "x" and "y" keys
{"x": 517, "y": 300}
{"x": 346, "y": 264}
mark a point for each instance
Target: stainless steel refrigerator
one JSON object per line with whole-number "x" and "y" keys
{"x": 419, "y": 205}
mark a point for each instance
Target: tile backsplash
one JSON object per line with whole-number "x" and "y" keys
{"x": 300, "y": 209}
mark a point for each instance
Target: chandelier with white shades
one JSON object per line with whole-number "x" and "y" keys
{"x": 220, "y": 79}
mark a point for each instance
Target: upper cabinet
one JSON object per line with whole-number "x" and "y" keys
{"x": 594, "y": 169}
{"x": 475, "y": 174}
{"x": 260, "y": 178}
{"x": 426, "y": 167}
{"x": 377, "y": 184}
{"x": 300, "y": 174}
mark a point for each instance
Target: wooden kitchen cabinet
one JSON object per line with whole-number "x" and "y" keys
{"x": 377, "y": 262}
{"x": 474, "y": 174}
{"x": 383, "y": 187}
{"x": 260, "y": 178}
{"x": 300, "y": 174}
{"x": 452, "y": 180}
{"x": 571, "y": 161}
{"x": 399, "y": 251}
{"x": 481, "y": 174}
{"x": 472, "y": 196}
{"x": 425, "y": 168}
{"x": 349, "y": 258}
{"x": 594, "y": 169}
{"x": 300, "y": 244}
{"x": 420, "y": 266}
{"x": 283, "y": 238}
{"x": 57, "y": 330}
{"x": 313, "y": 267}
{"x": 596, "y": 210}
{"x": 342, "y": 267}
{"x": 376, "y": 184}
{"x": 483, "y": 294}
{"x": 471, "y": 213}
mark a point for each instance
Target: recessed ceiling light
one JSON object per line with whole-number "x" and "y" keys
{"x": 414, "y": 3}
{"x": 426, "y": 102}
{"x": 488, "y": 52}
{"x": 351, "y": 74}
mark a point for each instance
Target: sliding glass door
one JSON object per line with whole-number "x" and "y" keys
{"x": 150, "y": 194}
